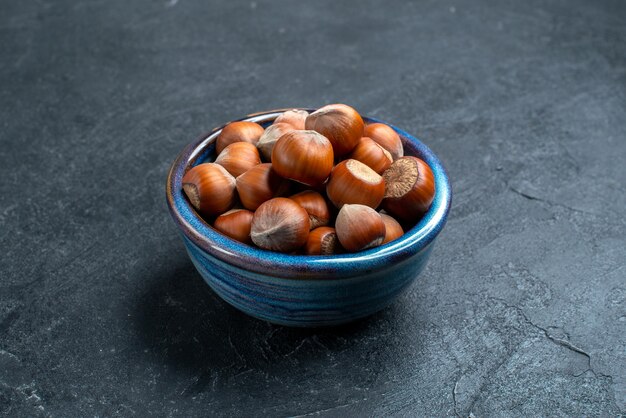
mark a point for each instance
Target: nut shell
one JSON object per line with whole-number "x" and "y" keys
{"x": 386, "y": 137}
{"x": 235, "y": 224}
{"x": 341, "y": 124}
{"x": 293, "y": 117}
{"x": 280, "y": 224}
{"x": 409, "y": 190}
{"x": 393, "y": 229}
{"x": 352, "y": 182}
{"x": 210, "y": 188}
{"x": 303, "y": 156}
{"x": 260, "y": 184}
{"x": 241, "y": 131}
{"x": 372, "y": 155}
{"x": 359, "y": 227}
{"x": 238, "y": 157}
{"x": 315, "y": 205}
{"x": 322, "y": 241}
{"x": 270, "y": 136}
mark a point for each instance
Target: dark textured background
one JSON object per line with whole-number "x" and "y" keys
{"x": 521, "y": 310}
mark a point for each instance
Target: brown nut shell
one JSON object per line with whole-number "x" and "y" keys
{"x": 315, "y": 205}
{"x": 409, "y": 189}
{"x": 210, "y": 188}
{"x": 236, "y": 224}
{"x": 372, "y": 155}
{"x": 280, "y": 224}
{"x": 359, "y": 227}
{"x": 270, "y": 136}
{"x": 341, "y": 124}
{"x": 293, "y": 117}
{"x": 322, "y": 241}
{"x": 242, "y": 131}
{"x": 393, "y": 229}
{"x": 260, "y": 184}
{"x": 353, "y": 182}
{"x": 238, "y": 157}
{"x": 386, "y": 137}
{"x": 303, "y": 156}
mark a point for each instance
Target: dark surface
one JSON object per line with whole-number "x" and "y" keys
{"x": 521, "y": 310}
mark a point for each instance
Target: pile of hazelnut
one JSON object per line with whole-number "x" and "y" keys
{"x": 290, "y": 179}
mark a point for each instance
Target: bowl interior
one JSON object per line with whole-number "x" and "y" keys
{"x": 202, "y": 235}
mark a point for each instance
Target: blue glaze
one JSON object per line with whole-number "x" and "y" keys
{"x": 299, "y": 290}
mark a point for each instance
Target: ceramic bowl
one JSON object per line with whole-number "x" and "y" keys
{"x": 298, "y": 290}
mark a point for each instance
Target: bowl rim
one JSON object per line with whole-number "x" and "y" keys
{"x": 199, "y": 233}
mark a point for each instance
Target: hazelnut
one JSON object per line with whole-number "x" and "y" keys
{"x": 315, "y": 205}
{"x": 322, "y": 241}
{"x": 341, "y": 124}
{"x": 210, "y": 188}
{"x": 259, "y": 184}
{"x": 235, "y": 224}
{"x": 359, "y": 227}
{"x": 303, "y": 156}
{"x": 280, "y": 224}
{"x": 372, "y": 155}
{"x": 409, "y": 188}
{"x": 393, "y": 230}
{"x": 386, "y": 137}
{"x": 242, "y": 131}
{"x": 351, "y": 181}
{"x": 293, "y": 117}
{"x": 238, "y": 157}
{"x": 270, "y": 136}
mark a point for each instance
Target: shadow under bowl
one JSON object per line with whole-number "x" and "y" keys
{"x": 299, "y": 290}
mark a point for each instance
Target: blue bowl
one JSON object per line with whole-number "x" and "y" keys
{"x": 298, "y": 290}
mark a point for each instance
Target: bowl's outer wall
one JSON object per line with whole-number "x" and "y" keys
{"x": 306, "y": 303}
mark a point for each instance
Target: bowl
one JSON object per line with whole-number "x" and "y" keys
{"x": 299, "y": 290}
